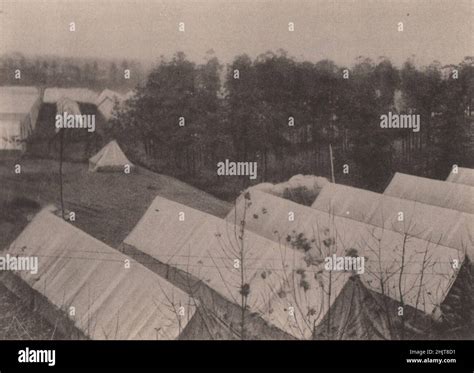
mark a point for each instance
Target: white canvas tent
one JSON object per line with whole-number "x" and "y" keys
{"x": 19, "y": 109}
{"x": 106, "y": 102}
{"x": 109, "y": 158}
{"x": 110, "y": 300}
{"x": 432, "y": 192}
{"x": 66, "y": 105}
{"x": 322, "y": 234}
{"x": 206, "y": 247}
{"x": 462, "y": 176}
{"x": 447, "y": 227}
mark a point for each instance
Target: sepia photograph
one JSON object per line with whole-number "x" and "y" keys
{"x": 209, "y": 170}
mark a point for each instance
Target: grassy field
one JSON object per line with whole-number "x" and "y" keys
{"x": 107, "y": 206}
{"x": 18, "y": 322}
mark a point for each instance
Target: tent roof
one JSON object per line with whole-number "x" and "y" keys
{"x": 206, "y": 247}
{"x": 432, "y": 192}
{"x": 110, "y": 156}
{"x": 447, "y": 227}
{"x": 65, "y": 104}
{"x": 263, "y": 218}
{"x": 80, "y": 95}
{"x": 463, "y": 176}
{"x": 108, "y": 94}
{"x": 106, "y": 102}
{"x": 326, "y": 234}
{"x": 111, "y": 301}
{"x": 17, "y": 100}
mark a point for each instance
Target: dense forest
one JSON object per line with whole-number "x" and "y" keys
{"x": 284, "y": 114}
{"x": 280, "y": 112}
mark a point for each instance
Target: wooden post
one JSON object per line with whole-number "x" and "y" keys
{"x": 332, "y": 164}
{"x": 61, "y": 147}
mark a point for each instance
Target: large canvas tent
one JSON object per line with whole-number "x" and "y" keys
{"x": 109, "y": 158}
{"x": 19, "y": 109}
{"x": 321, "y": 234}
{"x": 462, "y": 176}
{"x": 435, "y": 224}
{"x": 206, "y": 247}
{"x": 86, "y": 285}
{"x": 432, "y": 192}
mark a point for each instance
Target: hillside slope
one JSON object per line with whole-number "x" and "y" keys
{"x": 107, "y": 205}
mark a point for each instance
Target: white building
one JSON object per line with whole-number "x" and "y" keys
{"x": 19, "y": 109}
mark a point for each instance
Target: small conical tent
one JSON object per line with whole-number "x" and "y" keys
{"x": 109, "y": 158}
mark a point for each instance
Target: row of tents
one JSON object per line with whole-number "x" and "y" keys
{"x": 260, "y": 272}
{"x": 20, "y": 106}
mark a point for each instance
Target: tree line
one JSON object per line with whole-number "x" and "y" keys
{"x": 280, "y": 112}
{"x": 54, "y": 71}
{"x": 284, "y": 113}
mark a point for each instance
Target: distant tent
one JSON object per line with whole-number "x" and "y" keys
{"x": 110, "y": 300}
{"x": 299, "y": 188}
{"x": 436, "y": 224}
{"x": 432, "y": 192}
{"x": 462, "y": 176}
{"x": 109, "y": 158}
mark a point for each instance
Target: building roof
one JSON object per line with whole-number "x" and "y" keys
{"x": 436, "y": 224}
{"x": 432, "y": 192}
{"x": 462, "y": 176}
{"x": 111, "y": 301}
{"x": 80, "y": 95}
{"x": 17, "y": 100}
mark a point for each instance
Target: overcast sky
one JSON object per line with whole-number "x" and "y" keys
{"x": 145, "y": 29}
